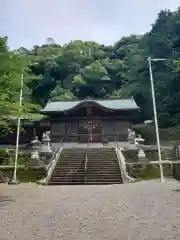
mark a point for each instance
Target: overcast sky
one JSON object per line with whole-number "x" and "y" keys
{"x": 30, "y": 22}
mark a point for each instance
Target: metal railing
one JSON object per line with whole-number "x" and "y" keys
{"x": 86, "y": 159}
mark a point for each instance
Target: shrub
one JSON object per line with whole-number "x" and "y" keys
{"x": 166, "y": 134}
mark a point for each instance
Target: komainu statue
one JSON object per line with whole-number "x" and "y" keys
{"x": 131, "y": 136}
{"x": 46, "y": 135}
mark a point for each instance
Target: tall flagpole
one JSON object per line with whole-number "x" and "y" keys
{"x": 155, "y": 118}
{"x": 14, "y": 179}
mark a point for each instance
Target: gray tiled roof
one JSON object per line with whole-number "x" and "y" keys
{"x": 111, "y": 104}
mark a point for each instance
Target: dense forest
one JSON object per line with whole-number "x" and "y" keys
{"x": 82, "y": 69}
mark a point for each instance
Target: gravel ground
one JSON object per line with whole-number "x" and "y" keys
{"x": 145, "y": 210}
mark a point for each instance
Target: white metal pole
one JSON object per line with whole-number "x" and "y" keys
{"x": 18, "y": 130}
{"x": 156, "y": 121}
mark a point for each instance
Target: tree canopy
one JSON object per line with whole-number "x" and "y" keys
{"x": 81, "y": 69}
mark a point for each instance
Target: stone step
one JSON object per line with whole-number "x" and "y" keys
{"x": 87, "y": 183}
{"x": 65, "y": 169}
{"x": 96, "y": 155}
{"x": 106, "y": 174}
{"x": 108, "y": 161}
{"x": 100, "y": 163}
{"x": 102, "y": 167}
{"x": 66, "y": 183}
{"x": 98, "y": 169}
{"x": 89, "y": 180}
{"x": 102, "y": 173}
{"x": 72, "y": 153}
{"x": 105, "y": 159}
{"x": 104, "y": 183}
{"x": 101, "y": 153}
{"x": 70, "y": 163}
{"x": 89, "y": 160}
{"x": 80, "y": 179}
{"x": 66, "y": 174}
{"x": 73, "y": 156}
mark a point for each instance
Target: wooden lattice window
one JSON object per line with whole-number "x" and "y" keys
{"x": 58, "y": 129}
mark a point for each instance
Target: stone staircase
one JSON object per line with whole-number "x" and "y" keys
{"x": 101, "y": 168}
{"x": 69, "y": 169}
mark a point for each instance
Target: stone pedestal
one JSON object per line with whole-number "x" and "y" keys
{"x": 142, "y": 157}
{"x": 141, "y": 154}
{"x": 35, "y": 160}
{"x": 14, "y": 181}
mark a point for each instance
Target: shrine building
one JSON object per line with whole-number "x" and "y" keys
{"x": 90, "y": 120}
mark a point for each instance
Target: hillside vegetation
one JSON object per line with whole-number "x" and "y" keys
{"x": 81, "y": 69}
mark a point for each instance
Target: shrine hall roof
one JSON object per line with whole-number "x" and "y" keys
{"x": 110, "y": 104}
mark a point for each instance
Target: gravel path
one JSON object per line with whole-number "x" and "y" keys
{"x": 144, "y": 210}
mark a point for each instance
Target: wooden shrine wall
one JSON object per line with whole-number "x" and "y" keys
{"x": 72, "y": 130}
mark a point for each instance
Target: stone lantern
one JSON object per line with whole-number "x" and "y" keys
{"x": 34, "y": 153}
{"x": 45, "y": 150}
{"x": 139, "y": 141}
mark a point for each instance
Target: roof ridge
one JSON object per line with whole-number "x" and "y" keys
{"x": 93, "y": 99}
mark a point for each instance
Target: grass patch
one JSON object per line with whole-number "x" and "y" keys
{"x": 25, "y": 174}
{"x": 149, "y": 171}
{"x": 131, "y": 155}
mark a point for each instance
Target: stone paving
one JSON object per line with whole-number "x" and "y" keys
{"x": 139, "y": 211}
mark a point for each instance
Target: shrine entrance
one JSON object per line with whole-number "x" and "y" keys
{"x": 89, "y": 130}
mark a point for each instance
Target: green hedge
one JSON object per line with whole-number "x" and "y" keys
{"x": 7, "y": 157}
{"x": 148, "y": 132}
{"x": 25, "y": 174}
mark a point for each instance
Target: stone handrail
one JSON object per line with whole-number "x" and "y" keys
{"x": 122, "y": 165}
{"x": 52, "y": 164}
{"x": 119, "y": 163}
